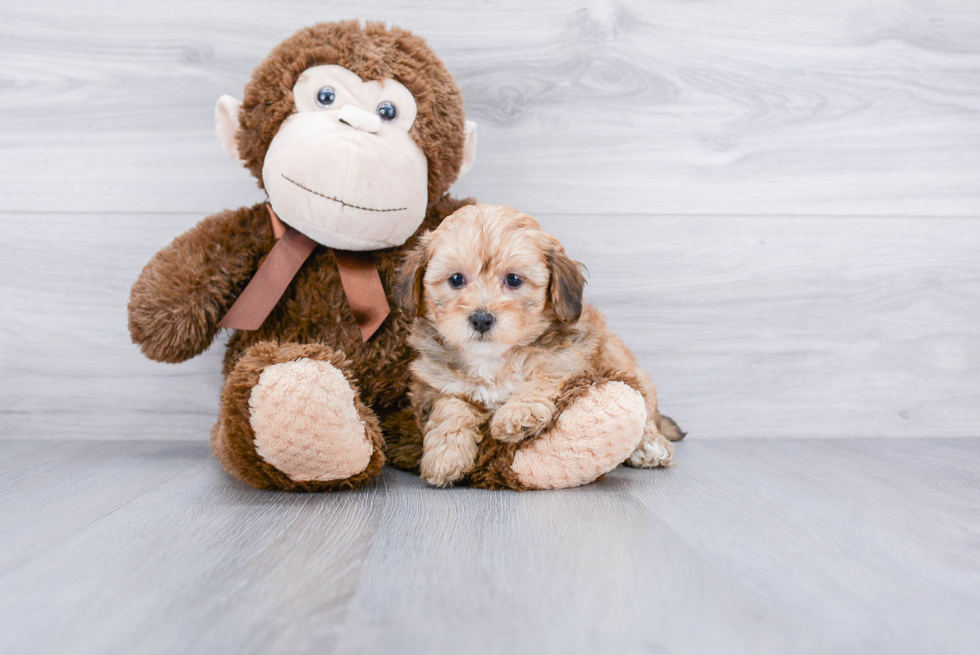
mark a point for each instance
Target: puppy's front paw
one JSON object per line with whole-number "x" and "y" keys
{"x": 449, "y": 458}
{"x": 515, "y": 421}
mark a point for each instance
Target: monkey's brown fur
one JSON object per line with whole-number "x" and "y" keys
{"x": 186, "y": 288}
{"x": 184, "y": 291}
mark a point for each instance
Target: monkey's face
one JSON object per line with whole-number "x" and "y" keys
{"x": 343, "y": 168}
{"x": 352, "y": 129}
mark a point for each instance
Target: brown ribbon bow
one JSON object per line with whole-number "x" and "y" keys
{"x": 358, "y": 274}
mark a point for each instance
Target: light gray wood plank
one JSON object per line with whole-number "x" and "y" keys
{"x": 799, "y": 327}
{"x": 757, "y": 327}
{"x": 581, "y": 571}
{"x": 70, "y": 485}
{"x": 121, "y": 423}
{"x": 743, "y": 547}
{"x": 68, "y": 365}
{"x": 835, "y": 531}
{"x": 197, "y": 564}
{"x": 822, "y": 561}
{"x": 757, "y": 107}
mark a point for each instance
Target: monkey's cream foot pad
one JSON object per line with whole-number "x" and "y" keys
{"x": 306, "y": 423}
{"x": 590, "y": 438}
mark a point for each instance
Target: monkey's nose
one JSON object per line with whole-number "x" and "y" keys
{"x": 359, "y": 119}
{"x": 481, "y": 320}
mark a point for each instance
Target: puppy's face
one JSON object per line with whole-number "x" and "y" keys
{"x": 490, "y": 275}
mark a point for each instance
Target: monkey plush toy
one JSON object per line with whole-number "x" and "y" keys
{"x": 355, "y": 132}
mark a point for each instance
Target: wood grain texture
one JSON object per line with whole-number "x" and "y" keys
{"x": 778, "y": 203}
{"x": 74, "y": 484}
{"x": 840, "y": 107}
{"x": 746, "y": 546}
{"x": 779, "y": 327}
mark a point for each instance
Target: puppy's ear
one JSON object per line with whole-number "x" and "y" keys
{"x": 408, "y": 287}
{"x": 566, "y": 285}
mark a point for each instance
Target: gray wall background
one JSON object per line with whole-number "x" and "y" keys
{"x": 778, "y": 201}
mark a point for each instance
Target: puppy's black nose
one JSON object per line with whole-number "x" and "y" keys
{"x": 481, "y": 320}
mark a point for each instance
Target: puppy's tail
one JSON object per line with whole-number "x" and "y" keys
{"x": 670, "y": 429}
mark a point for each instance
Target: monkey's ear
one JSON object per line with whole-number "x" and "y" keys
{"x": 469, "y": 149}
{"x": 566, "y": 285}
{"x": 408, "y": 287}
{"x": 226, "y": 121}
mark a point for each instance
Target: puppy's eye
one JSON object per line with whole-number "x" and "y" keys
{"x": 326, "y": 96}
{"x": 387, "y": 111}
{"x": 457, "y": 281}
{"x": 513, "y": 281}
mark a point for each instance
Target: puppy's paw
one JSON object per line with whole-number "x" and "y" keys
{"x": 449, "y": 459}
{"x": 515, "y": 421}
{"x": 654, "y": 450}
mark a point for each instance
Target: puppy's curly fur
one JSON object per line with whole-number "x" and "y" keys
{"x": 503, "y": 337}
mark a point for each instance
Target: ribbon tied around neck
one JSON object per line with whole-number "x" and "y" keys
{"x": 358, "y": 275}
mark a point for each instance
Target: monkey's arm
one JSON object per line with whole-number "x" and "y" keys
{"x": 185, "y": 290}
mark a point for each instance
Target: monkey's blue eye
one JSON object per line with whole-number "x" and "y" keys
{"x": 456, "y": 280}
{"x": 387, "y": 111}
{"x": 513, "y": 281}
{"x": 326, "y": 96}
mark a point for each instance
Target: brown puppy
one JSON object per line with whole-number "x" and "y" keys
{"x": 502, "y": 333}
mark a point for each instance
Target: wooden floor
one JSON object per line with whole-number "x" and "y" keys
{"x": 746, "y": 546}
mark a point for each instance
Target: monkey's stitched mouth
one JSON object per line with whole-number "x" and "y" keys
{"x": 345, "y": 204}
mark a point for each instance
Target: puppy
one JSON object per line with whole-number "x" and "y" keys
{"x": 501, "y": 333}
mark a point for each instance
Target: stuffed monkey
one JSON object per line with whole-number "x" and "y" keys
{"x": 355, "y": 132}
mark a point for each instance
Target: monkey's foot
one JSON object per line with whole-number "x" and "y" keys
{"x": 305, "y": 422}
{"x": 291, "y": 419}
{"x": 591, "y": 437}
